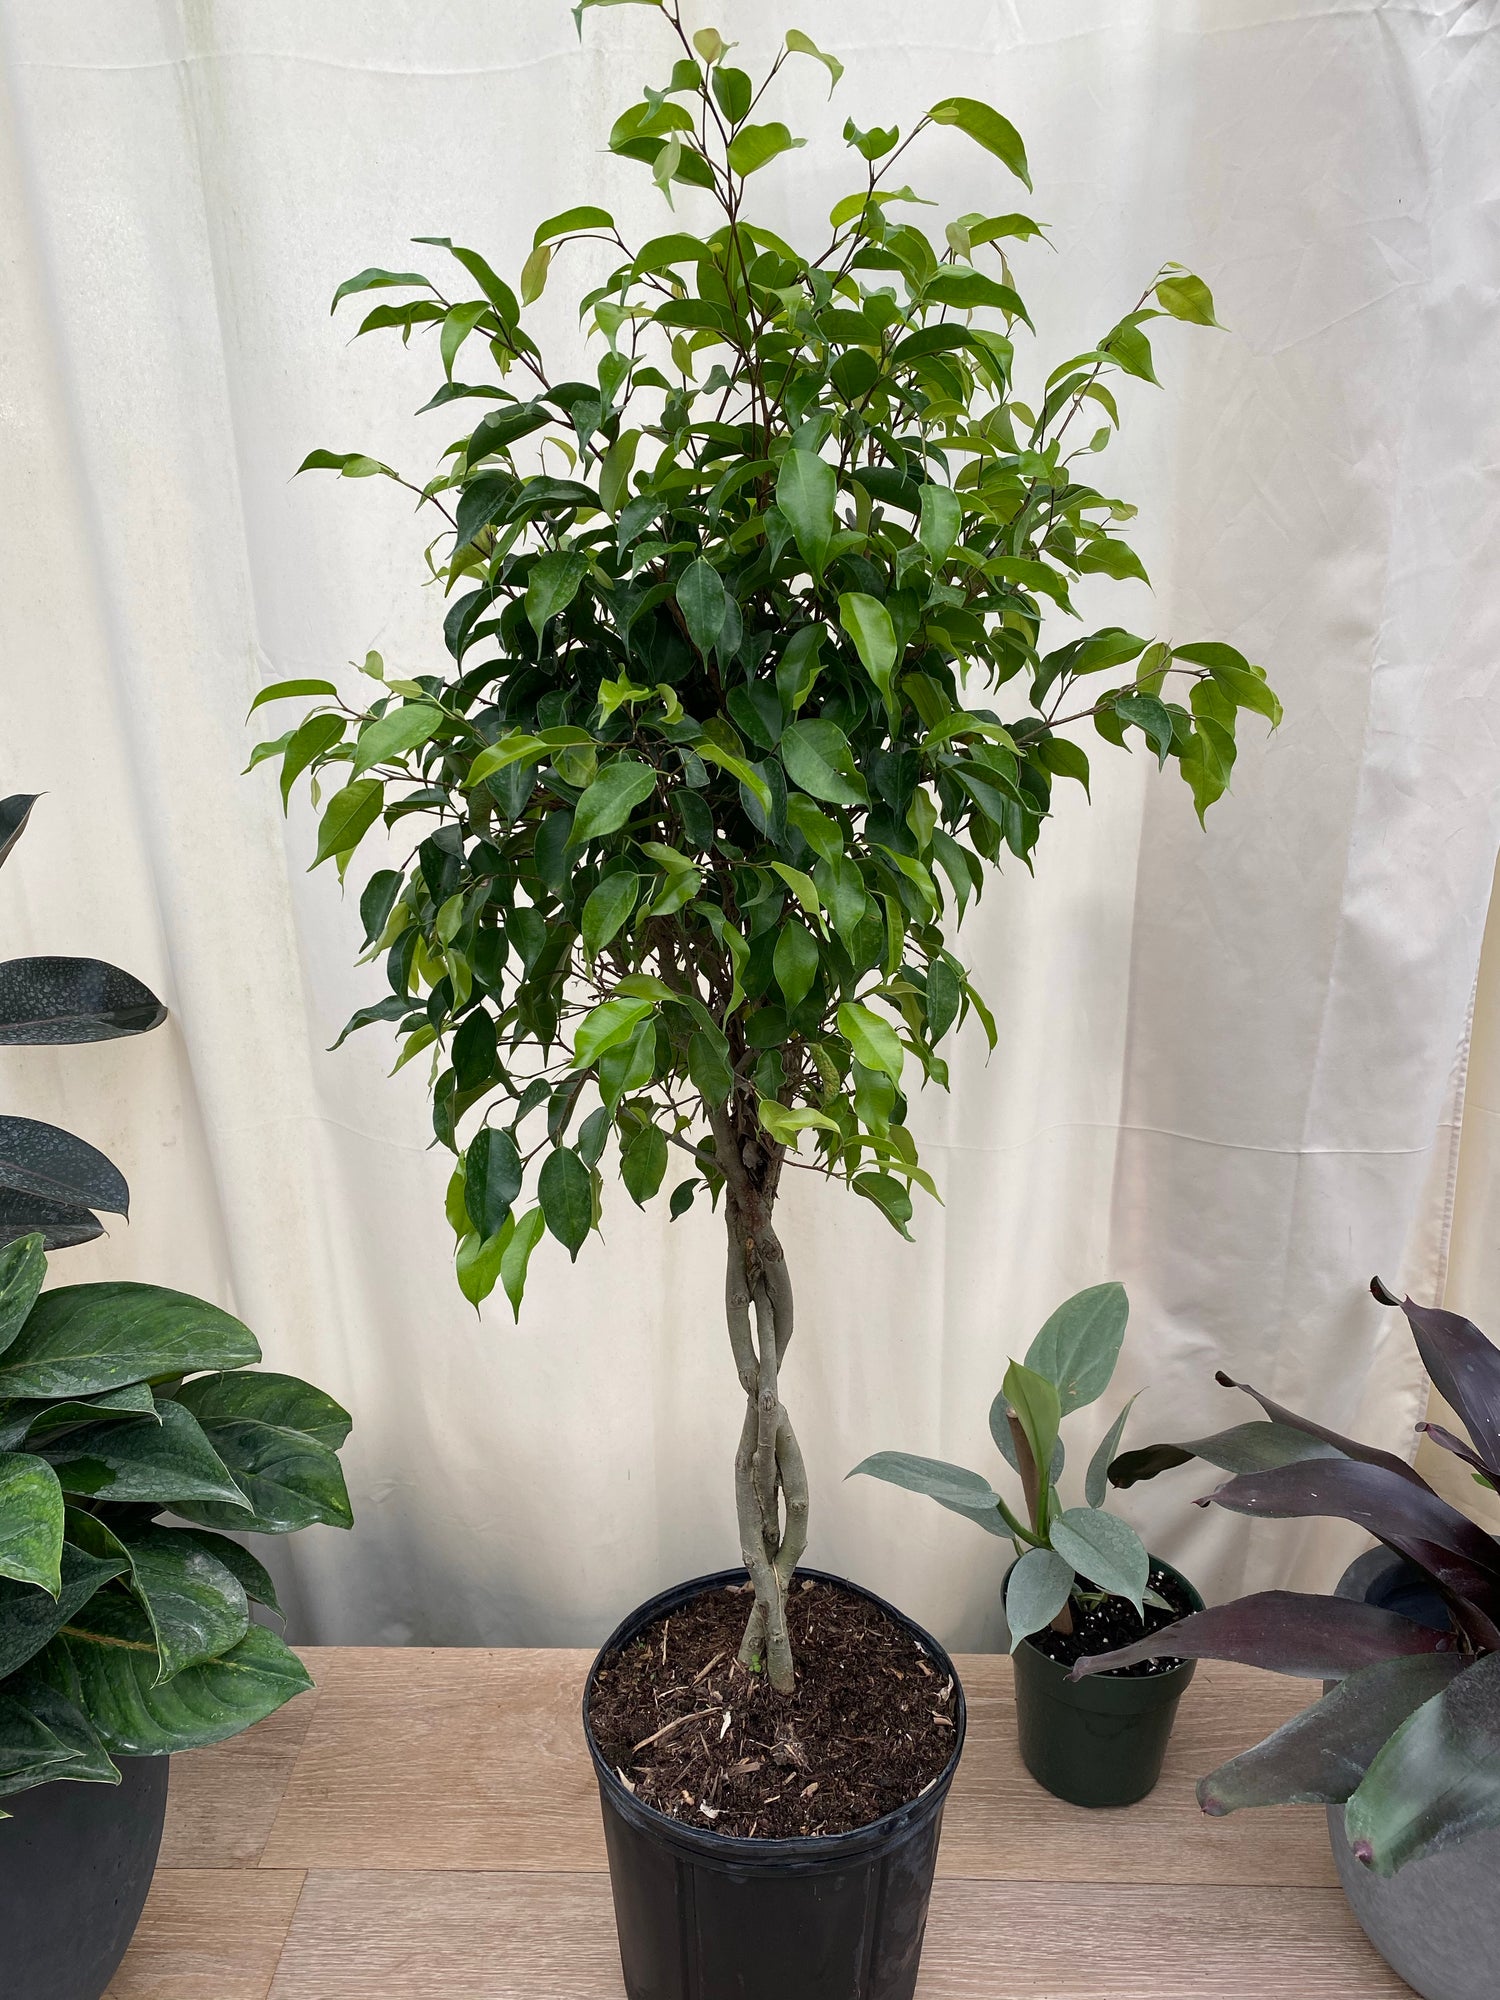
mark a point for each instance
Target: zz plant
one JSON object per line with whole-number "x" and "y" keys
{"x": 1067, "y": 1555}
{"x": 1408, "y": 1739}
{"x": 686, "y": 828}
{"x": 121, "y": 1635}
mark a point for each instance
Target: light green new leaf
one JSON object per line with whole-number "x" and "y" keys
{"x": 1186, "y": 297}
{"x": 987, "y": 128}
{"x": 806, "y": 489}
{"x": 478, "y": 1260}
{"x": 283, "y": 690}
{"x": 1038, "y": 1588}
{"x": 1080, "y": 1343}
{"x": 31, "y": 1521}
{"x": 940, "y": 520}
{"x": 1034, "y": 1399}
{"x": 570, "y": 222}
{"x": 611, "y": 799}
{"x": 868, "y": 624}
{"x": 553, "y": 585}
{"x": 517, "y": 1256}
{"x": 1104, "y": 1549}
{"x": 534, "y": 274}
{"x": 567, "y": 1197}
{"x": 785, "y": 1126}
{"x": 873, "y": 1040}
{"x": 348, "y": 817}
{"x": 395, "y": 734}
{"x": 755, "y": 146}
{"x": 804, "y": 45}
{"x": 613, "y": 1021}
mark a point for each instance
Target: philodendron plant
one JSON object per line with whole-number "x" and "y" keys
{"x": 122, "y": 1635}
{"x": 50, "y": 1180}
{"x": 688, "y": 824}
{"x": 1068, "y": 1555}
{"x": 1408, "y": 1740}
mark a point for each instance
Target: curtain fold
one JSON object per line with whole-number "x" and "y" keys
{"x": 1231, "y": 1062}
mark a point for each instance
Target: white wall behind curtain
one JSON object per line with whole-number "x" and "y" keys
{"x": 1230, "y": 1062}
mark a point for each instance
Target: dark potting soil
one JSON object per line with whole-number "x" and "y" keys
{"x": 1100, "y": 1627}
{"x": 695, "y": 1735}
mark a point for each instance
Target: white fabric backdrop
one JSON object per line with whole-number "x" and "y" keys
{"x": 1230, "y": 1064}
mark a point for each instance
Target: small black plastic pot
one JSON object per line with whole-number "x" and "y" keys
{"x": 75, "y": 1864}
{"x": 701, "y": 1916}
{"x": 1101, "y": 1741}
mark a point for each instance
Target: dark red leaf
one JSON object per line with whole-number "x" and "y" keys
{"x": 1286, "y": 1631}
{"x": 1465, "y": 1371}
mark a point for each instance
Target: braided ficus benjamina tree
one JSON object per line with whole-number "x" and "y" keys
{"x": 748, "y": 686}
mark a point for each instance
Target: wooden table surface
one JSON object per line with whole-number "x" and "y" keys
{"x": 425, "y": 1827}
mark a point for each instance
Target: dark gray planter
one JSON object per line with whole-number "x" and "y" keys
{"x": 75, "y": 1864}
{"x": 1436, "y": 1922}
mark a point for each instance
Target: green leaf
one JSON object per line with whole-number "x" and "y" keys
{"x": 961, "y": 1492}
{"x": 23, "y": 1266}
{"x": 1034, "y": 1399}
{"x": 106, "y": 1665}
{"x": 391, "y": 736}
{"x": 873, "y": 1040}
{"x": 307, "y": 745}
{"x": 81, "y": 1340}
{"x": 1096, "y": 1479}
{"x": 290, "y": 1480}
{"x": 1151, "y": 716}
{"x": 704, "y": 604}
{"x": 492, "y": 1180}
{"x": 944, "y": 996}
{"x": 553, "y": 585}
{"x": 868, "y": 624}
{"x": 1079, "y": 1345}
{"x": 986, "y": 128}
{"x": 534, "y": 274}
{"x": 806, "y": 489}
{"x": 816, "y": 756}
{"x": 268, "y": 1398}
{"x": 196, "y": 1605}
{"x": 566, "y": 1195}
{"x": 1037, "y": 1589}
{"x": 940, "y": 522}
{"x": 148, "y": 1460}
{"x": 708, "y": 1066}
{"x": 890, "y": 1196}
{"x": 795, "y": 963}
{"x": 517, "y": 1256}
{"x": 570, "y": 222}
{"x": 643, "y": 1162}
{"x": 608, "y": 906}
{"x": 254, "y": 1579}
{"x": 44, "y": 1737}
{"x": 803, "y": 45}
{"x": 374, "y": 279}
{"x": 478, "y": 1261}
{"x": 1437, "y": 1780}
{"x": 348, "y": 817}
{"x": 755, "y": 146}
{"x": 611, "y": 799}
{"x": 29, "y": 1617}
{"x": 1186, "y": 297}
{"x": 283, "y": 690}
{"x": 1101, "y": 1547}
{"x": 31, "y": 1521}
{"x": 786, "y": 1126}
{"x": 610, "y": 1023}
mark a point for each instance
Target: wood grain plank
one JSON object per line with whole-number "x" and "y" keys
{"x": 491, "y": 1773}
{"x": 223, "y": 1801}
{"x": 1000, "y": 1825}
{"x": 473, "y": 1936}
{"x": 209, "y": 1934}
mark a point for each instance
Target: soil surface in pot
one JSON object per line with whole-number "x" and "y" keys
{"x": 695, "y": 1735}
{"x": 1101, "y": 1626}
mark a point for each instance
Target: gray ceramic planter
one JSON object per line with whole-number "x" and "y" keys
{"x": 1436, "y": 1922}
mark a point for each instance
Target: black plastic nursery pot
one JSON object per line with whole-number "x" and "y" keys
{"x": 75, "y": 1864}
{"x": 1101, "y": 1741}
{"x": 701, "y": 1916}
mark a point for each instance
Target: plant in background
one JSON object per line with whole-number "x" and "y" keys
{"x": 50, "y": 1180}
{"x": 1068, "y": 1555}
{"x": 121, "y": 1635}
{"x": 1408, "y": 1741}
{"x": 716, "y": 770}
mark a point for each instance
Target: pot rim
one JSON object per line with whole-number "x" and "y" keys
{"x": 1173, "y": 1680}
{"x": 704, "y": 1841}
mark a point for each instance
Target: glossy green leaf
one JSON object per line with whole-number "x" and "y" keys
{"x": 252, "y": 1575}
{"x": 795, "y": 962}
{"x": 570, "y": 223}
{"x": 806, "y": 489}
{"x": 348, "y": 817}
{"x": 31, "y": 1521}
{"x": 873, "y": 1040}
{"x": 80, "y": 1340}
{"x": 554, "y": 583}
{"x": 146, "y": 1461}
{"x": 284, "y": 690}
{"x": 987, "y": 128}
{"x": 804, "y": 45}
{"x": 1186, "y": 297}
{"x": 289, "y": 1479}
{"x": 643, "y": 1163}
{"x": 566, "y": 1195}
{"x": 394, "y": 735}
{"x": 44, "y": 1738}
{"x": 517, "y": 1256}
{"x": 266, "y": 1397}
{"x": 610, "y": 800}
{"x": 23, "y": 1266}
{"x": 704, "y": 605}
{"x": 492, "y": 1180}
{"x": 610, "y": 1023}
{"x": 197, "y": 1607}
{"x": 29, "y": 1617}
{"x": 868, "y": 624}
{"x": 941, "y": 520}
{"x": 817, "y": 757}
{"x": 755, "y": 146}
